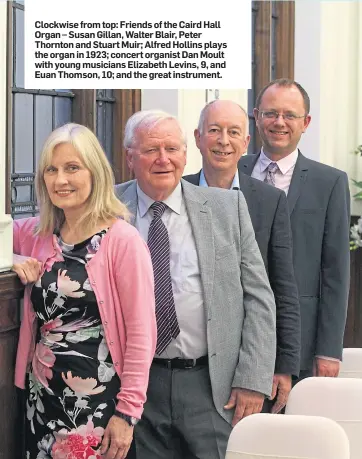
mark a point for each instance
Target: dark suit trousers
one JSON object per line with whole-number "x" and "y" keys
{"x": 180, "y": 420}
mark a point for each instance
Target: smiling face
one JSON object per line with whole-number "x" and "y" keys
{"x": 68, "y": 181}
{"x": 158, "y": 158}
{"x": 223, "y": 139}
{"x": 280, "y": 136}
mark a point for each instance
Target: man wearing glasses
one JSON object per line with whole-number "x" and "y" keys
{"x": 319, "y": 207}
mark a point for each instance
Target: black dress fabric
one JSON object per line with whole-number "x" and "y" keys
{"x": 72, "y": 384}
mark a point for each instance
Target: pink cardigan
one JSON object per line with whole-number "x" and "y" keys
{"x": 122, "y": 279}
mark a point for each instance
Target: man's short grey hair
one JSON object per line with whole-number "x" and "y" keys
{"x": 147, "y": 119}
{"x": 203, "y": 114}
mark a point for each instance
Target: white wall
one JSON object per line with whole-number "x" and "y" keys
{"x": 5, "y": 220}
{"x": 328, "y": 63}
{"x": 186, "y": 105}
{"x": 307, "y": 68}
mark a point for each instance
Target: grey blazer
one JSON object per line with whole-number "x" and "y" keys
{"x": 238, "y": 300}
{"x": 319, "y": 207}
{"x": 268, "y": 209}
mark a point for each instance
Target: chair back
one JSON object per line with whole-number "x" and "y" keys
{"x": 351, "y": 366}
{"x": 339, "y": 399}
{"x": 271, "y": 436}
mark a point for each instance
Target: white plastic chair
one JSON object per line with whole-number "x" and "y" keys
{"x": 351, "y": 366}
{"x": 339, "y": 399}
{"x": 275, "y": 436}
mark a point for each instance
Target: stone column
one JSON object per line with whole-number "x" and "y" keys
{"x": 11, "y": 416}
{"x": 5, "y": 220}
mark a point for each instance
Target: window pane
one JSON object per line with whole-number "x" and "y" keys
{"x": 252, "y": 132}
{"x": 43, "y": 121}
{"x": 63, "y": 111}
{"x": 109, "y": 136}
{"x": 17, "y": 215}
{"x": 23, "y": 194}
{"x": 101, "y": 123}
{"x": 104, "y": 130}
{"x": 19, "y": 48}
{"x": 23, "y": 138}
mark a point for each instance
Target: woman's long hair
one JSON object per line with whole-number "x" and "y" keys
{"x": 102, "y": 204}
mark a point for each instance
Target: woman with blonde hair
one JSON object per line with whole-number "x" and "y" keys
{"x": 88, "y": 332}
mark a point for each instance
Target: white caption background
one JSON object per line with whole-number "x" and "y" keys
{"x": 148, "y": 45}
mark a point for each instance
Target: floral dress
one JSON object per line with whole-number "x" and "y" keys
{"x": 72, "y": 384}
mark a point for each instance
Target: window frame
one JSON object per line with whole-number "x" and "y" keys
{"x": 84, "y": 111}
{"x": 273, "y": 43}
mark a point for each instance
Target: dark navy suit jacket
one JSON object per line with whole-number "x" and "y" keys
{"x": 269, "y": 214}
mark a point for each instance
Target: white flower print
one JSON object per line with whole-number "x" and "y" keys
{"x": 87, "y": 285}
{"x": 45, "y": 447}
{"x": 67, "y": 287}
{"x": 82, "y": 386}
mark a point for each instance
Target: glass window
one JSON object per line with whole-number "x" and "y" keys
{"x": 35, "y": 113}
{"x": 105, "y": 101}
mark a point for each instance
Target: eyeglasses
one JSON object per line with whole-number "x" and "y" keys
{"x": 273, "y": 115}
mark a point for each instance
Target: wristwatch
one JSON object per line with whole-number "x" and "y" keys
{"x": 131, "y": 421}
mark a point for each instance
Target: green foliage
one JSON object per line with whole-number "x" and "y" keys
{"x": 356, "y": 230}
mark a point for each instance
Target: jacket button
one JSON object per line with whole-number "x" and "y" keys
{"x": 111, "y": 343}
{"x": 116, "y": 364}
{"x": 101, "y": 302}
{"x": 93, "y": 283}
{"x": 105, "y": 323}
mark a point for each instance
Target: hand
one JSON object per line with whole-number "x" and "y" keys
{"x": 117, "y": 439}
{"x": 325, "y": 367}
{"x": 282, "y": 385}
{"x": 245, "y": 402}
{"x": 28, "y": 269}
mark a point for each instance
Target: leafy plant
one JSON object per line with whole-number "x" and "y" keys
{"x": 356, "y": 229}
{"x": 358, "y": 195}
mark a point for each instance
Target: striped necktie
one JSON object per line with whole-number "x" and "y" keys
{"x": 159, "y": 246}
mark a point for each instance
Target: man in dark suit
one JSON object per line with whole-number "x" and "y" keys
{"x": 222, "y": 138}
{"x": 319, "y": 207}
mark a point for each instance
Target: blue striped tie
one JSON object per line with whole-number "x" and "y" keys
{"x": 159, "y": 246}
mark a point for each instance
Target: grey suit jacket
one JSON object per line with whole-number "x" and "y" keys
{"x": 319, "y": 207}
{"x": 238, "y": 300}
{"x": 268, "y": 209}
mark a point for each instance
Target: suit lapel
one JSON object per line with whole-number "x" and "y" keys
{"x": 250, "y": 193}
{"x": 130, "y": 199}
{"x": 299, "y": 178}
{"x": 193, "y": 178}
{"x": 200, "y": 217}
{"x": 248, "y": 163}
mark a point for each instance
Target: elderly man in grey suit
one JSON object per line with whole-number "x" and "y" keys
{"x": 319, "y": 207}
{"x": 214, "y": 306}
{"x": 222, "y": 137}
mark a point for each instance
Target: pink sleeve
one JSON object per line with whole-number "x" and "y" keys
{"x": 135, "y": 285}
{"x": 16, "y": 237}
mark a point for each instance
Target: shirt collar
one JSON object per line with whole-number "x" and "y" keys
{"x": 235, "y": 182}
{"x": 284, "y": 164}
{"x": 174, "y": 201}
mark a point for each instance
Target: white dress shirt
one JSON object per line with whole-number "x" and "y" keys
{"x": 191, "y": 343}
{"x": 283, "y": 175}
{"x": 235, "y": 183}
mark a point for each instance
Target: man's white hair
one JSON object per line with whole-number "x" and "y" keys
{"x": 147, "y": 119}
